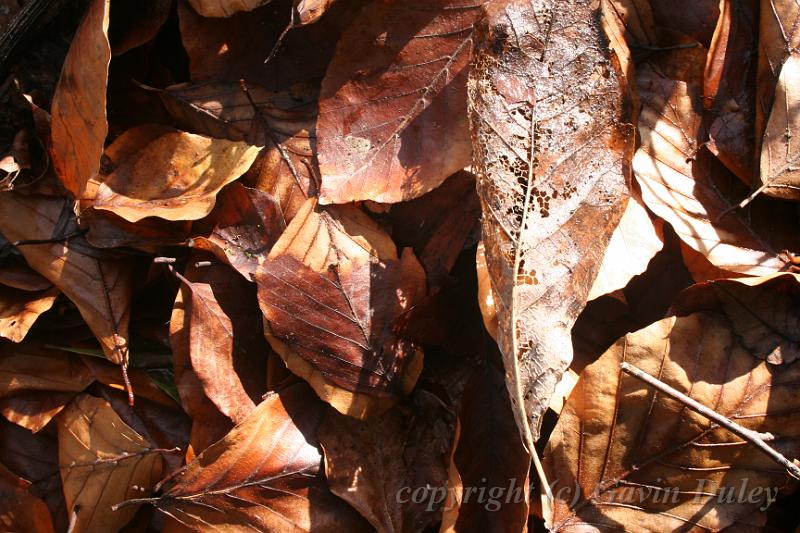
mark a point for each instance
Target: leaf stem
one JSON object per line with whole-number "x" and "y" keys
{"x": 753, "y": 437}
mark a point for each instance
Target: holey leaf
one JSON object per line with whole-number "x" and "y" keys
{"x": 550, "y": 155}
{"x": 623, "y": 453}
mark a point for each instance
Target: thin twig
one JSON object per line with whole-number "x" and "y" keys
{"x": 753, "y": 437}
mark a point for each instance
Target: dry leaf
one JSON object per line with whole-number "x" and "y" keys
{"x": 160, "y": 172}
{"x": 217, "y": 330}
{"x": 377, "y": 465}
{"x": 98, "y": 284}
{"x": 397, "y": 80}
{"x": 550, "y": 157}
{"x": 685, "y": 186}
{"x": 624, "y": 454}
{"x": 637, "y": 239}
{"x": 102, "y": 462}
{"x": 263, "y": 476}
{"x": 308, "y": 11}
{"x": 225, "y": 8}
{"x": 79, "y": 126}
{"x": 19, "y": 509}
{"x": 764, "y": 311}
{"x": 19, "y": 309}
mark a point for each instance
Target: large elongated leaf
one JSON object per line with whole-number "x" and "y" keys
{"x": 394, "y": 87}
{"x": 625, "y": 454}
{"x": 550, "y": 155}
{"x": 263, "y": 476}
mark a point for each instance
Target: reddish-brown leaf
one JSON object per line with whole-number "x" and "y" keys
{"x": 79, "y": 126}
{"x": 392, "y": 122}
{"x": 224, "y": 8}
{"x": 19, "y": 308}
{"x": 19, "y": 509}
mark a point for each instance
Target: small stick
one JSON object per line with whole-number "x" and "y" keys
{"x": 753, "y": 437}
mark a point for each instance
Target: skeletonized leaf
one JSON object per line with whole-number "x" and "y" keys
{"x": 103, "y": 462}
{"x": 632, "y": 245}
{"x": 764, "y": 311}
{"x": 375, "y": 465}
{"x": 225, "y": 8}
{"x": 263, "y": 476}
{"x": 685, "y": 186}
{"x": 98, "y": 284}
{"x": 392, "y": 124}
{"x": 166, "y": 173}
{"x": 623, "y": 453}
{"x": 19, "y": 509}
{"x": 550, "y": 155}
{"x": 79, "y": 126}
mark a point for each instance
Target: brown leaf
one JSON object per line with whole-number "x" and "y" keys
{"x": 489, "y": 456}
{"x": 729, "y": 87}
{"x": 102, "y": 462}
{"x": 19, "y": 309}
{"x": 264, "y": 475}
{"x": 335, "y": 328}
{"x": 99, "y": 285}
{"x": 216, "y": 328}
{"x": 397, "y": 78}
{"x": 308, "y": 11}
{"x": 225, "y": 8}
{"x": 241, "y": 229}
{"x": 639, "y": 457}
{"x": 20, "y": 510}
{"x": 764, "y": 312}
{"x": 377, "y": 465}
{"x": 552, "y": 178}
{"x": 635, "y": 241}
{"x": 695, "y": 18}
{"x": 166, "y": 173}
{"x": 685, "y": 186}
{"x": 136, "y": 23}
{"x": 79, "y": 126}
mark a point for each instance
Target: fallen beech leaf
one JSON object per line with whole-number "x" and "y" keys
{"x": 729, "y": 87}
{"x": 397, "y": 78}
{"x": 623, "y": 453}
{"x": 225, "y": 8}
{"x": 241, "y": 229}
{"x": 33, "y": 410}
{"x": 764, "y": 312}
{"x": 488, "y": 456}
{"x": 263, "y": 476}
{"x": 700, "y": 267}
{"x": 685, "y": 186}
{"x": 377, "y": 465}
{"x": 780, "y": 151}
{"x": 135, "y": 23}
{"x": 175, "y": 175}
{"x": 97, "y": 283}
{"x": 79, "y": 126}
{"x": 632, "y": 245}
{"x": 216, "y": 327}
{"x": 308, "y": 11}
{"x": 102, "y": 462}
{"x": 552, "y": 178}
{"x": 19, "y": 509}
{"x": 336, "y": 328}
{"x": 19, "y": 309}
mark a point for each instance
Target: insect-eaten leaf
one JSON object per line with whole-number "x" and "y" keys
{"x": 623, "y": 453}
{"x": 551, "y": 158}
{"x": 397, "y": 78}
{"x": 156, "y": 171}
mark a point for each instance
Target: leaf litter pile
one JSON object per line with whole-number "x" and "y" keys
{"x": 399, "y": 265}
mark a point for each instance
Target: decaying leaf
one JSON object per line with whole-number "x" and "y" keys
{"x": 102, "y": 462}
{"x": 264, "y": 475}
{"x": 308, "y": 11}
{"x": 224, "y": 8}
{"x": 684, "y": 185}
{"x": 19, "y": 509}
{"x": 624, "y": 454}
{"x": 764, "y": 311}
{"x": 20, "y": 308}
{"x": 166, "y": 173}
{"x": 216, "y": 327}
{"x": 334, "y": 328}
{"x": 550, "y": 156}
{"x": 375, "y": 465}
{"x": 633, "y": 244}
{"x": 79, "y": 126}
{"x": 96, "y": 282}
{"x": 397, "y": 78}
